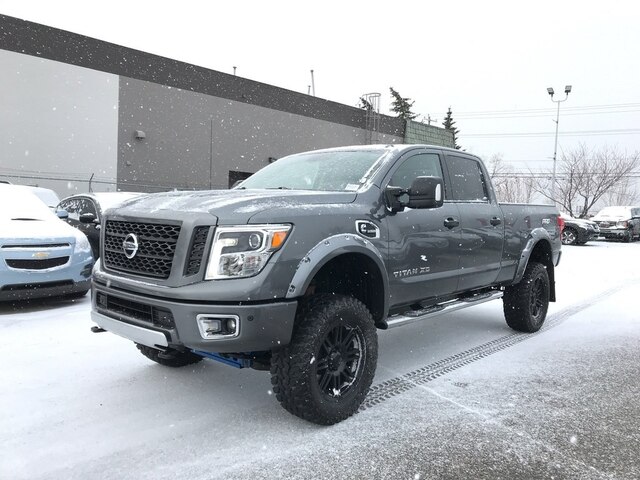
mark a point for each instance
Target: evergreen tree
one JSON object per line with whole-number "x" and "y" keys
{"x": 402, "y": 106}
{"x": 450, "y": 124}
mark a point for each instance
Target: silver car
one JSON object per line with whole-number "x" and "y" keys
{"x": 40, "y": 255}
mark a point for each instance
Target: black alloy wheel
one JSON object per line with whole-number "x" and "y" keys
{"x": 338, "y": 363}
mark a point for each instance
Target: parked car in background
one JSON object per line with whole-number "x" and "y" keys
{"x": 619, "y": 222}
{"x": 46, "y": 195}
{"x": 84, "y": 212}
{"x": 40, "y": 256}
{"x": 578, "y": 231}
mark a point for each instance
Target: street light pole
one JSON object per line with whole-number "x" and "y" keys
{"x": 550, "y": 91}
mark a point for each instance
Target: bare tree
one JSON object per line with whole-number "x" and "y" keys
{"x": 509, "y": 186}
{"x": 625, "y": 193}
{"x": 586, "y": 176}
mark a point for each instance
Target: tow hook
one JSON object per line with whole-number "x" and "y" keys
{"x": 97, "y": 330}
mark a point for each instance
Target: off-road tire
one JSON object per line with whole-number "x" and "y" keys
{"x": 526, "y": 303}
{"x": 334, "y": 344}
{"x": 179, "y": 359}
{"x": 569, "y": 236}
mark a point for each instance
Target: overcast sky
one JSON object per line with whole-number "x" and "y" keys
{"x": 490, "y": 61}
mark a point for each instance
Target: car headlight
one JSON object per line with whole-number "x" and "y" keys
{"x": 82, "y": 243}
{"x": 243, "y": 251}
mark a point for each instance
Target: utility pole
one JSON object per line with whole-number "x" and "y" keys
{"x": 550, "y": 91}
{"x": 313, "y": 84}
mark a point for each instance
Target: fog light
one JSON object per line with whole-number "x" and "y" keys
{"x": 217, "y": 326}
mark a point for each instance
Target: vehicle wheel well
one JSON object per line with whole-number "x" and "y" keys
{"x": 354, "y": 275}
{"x": 542, "y": 254}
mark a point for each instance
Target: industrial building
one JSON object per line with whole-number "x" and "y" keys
{"x": 80, "y": 114}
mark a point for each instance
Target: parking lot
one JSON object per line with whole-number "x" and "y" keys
{"x": 461, "y": 396}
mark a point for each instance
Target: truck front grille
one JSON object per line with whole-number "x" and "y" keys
{"x": 198, "y": 243}
{"x": 156, "y": 248}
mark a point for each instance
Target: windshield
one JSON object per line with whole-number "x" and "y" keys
{"x": 22, "y": 205}
{"x": 329, "y": 170}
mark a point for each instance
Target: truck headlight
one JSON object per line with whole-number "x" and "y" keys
{"x": 243, "y": 251}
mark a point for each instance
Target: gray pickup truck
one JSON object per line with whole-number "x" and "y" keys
{"x": 296, "y": 269}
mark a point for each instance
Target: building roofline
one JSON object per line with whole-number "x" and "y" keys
{"x": 42, "y": 41}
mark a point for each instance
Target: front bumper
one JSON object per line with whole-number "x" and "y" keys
{"x": 30, "y": 291}
{"x": 162, "y": 322}
{"x": 617, "y": 233}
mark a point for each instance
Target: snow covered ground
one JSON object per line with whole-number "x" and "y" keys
{"x": 460, "y": 396}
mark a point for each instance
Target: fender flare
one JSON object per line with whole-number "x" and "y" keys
{"x": 536, "y": 236}
{"x": 330, "y": 248}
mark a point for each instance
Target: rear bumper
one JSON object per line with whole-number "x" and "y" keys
{"x": 172, "y": 323}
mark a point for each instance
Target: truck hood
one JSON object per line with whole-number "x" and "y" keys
{"x": 229, "y": 206}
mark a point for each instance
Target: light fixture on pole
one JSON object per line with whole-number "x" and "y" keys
{"x": 550, "y": 91}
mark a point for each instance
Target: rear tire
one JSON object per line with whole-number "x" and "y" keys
{"x": 526, "y": 303}
{"x": 325, "y": 372}
{"x": 177, "y": 359}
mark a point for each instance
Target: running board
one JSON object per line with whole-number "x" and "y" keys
{"x": 439, "y": 309}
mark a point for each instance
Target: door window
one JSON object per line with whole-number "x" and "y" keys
{"x": 420, "y": 165}
{"x": 467, "y": 179}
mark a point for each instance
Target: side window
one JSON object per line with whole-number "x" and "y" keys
{"x": 72, "y": 208}
{"x": 420, "y": 165}
{"x": 467, "y": 180}
{"x": 87, "y": 206}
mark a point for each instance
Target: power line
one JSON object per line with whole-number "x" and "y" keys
{"x": 575, "y": 133}
{"x": 548, "y": 110}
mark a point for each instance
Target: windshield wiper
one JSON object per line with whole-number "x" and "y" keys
{"x": 278, "y": 188}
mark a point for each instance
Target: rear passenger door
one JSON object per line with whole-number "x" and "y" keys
{"x": 481, "y": 221}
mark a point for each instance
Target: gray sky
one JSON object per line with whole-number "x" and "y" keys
{"x": 477, "y": 57}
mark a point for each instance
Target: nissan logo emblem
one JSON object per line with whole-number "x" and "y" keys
{"x": 130, "y": 245}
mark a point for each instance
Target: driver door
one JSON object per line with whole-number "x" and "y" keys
{"x": 423, "y": 243}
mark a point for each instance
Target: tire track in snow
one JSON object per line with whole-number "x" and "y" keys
{"x": 395, "y": 386}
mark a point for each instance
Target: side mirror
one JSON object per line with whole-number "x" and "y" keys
{"x": 87, "y": 218}
{"x": 393, "y": 195}
{"x": 426, "y": 192}
{"x": 62, "y": 214}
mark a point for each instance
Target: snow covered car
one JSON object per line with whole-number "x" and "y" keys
{"x": 621, "y": 223}
{"x": 578, "y": 231}
{"x": 46, "y": 195}
{"x": 40, "y": 255}
{"x": 84, "y": 212}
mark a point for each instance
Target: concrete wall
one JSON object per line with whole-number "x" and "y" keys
{"x": 193, "y": 141}
{"x": 58, "y": 124}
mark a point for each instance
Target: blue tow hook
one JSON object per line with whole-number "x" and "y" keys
{"x": 233, "y": 362}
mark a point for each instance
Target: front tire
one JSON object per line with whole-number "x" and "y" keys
{"x": 569, "y": 236}
{"x": 526, "y": 303}
{"x": 325, "y": 372}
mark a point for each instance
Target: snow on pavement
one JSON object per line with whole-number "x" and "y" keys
{"x": 561, "y": 404}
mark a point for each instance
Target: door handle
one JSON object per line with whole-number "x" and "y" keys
{"x": 451, "y": 222}
{"x": 495, "y": 221}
